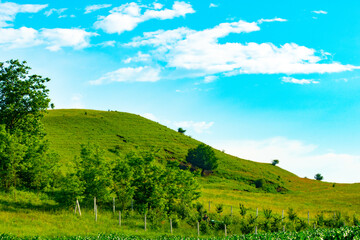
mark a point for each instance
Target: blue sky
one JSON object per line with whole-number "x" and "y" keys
{"x": 261, "y": 80}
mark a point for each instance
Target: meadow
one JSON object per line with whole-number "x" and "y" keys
{"x": 234, "y": 182}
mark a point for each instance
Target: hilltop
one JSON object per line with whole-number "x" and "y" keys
{"x": 232, "y": 183}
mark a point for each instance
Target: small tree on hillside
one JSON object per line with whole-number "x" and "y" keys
{"x": 318, "y": 177}
{"x": 275, "y": 162}
{"x": 181, "y": 130}
{"x": 202, "y": 156}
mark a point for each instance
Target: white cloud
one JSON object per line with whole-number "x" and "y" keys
{"x": 9, "y": 10}
{"x": 107, "y": 44}
{"x": 298, "y": 81}
{"x": 149, "y": 116}
{"x": 54, "y": 39}
{"x": 198, "y": 127}
{"x": 58, "y": 38}
{"x": 140, "y": 57}
{"x": 129, "y": 74}
{"x": 272, "y": 20}
{"x": 212, "y": 5}
{"x": 57, "y": 11}
{"x": 158, "y": 6}
{"x": 209, "y": 79}
{"x": 93, "y": 8}
{"x": 297, "y": 157}
{"x": 19, "y": 38}
{"x": 200, "y": 52}
{"x": 320, "y": 12}
{"x": 128, "y": 16}
{"x": 76, "y": 101}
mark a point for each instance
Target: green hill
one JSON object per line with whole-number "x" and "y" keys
{"x": 232, "y": 183}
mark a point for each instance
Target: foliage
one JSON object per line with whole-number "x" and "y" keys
{"x": 275, "y": 162}
{"x": 181, "y": 130}
{"x": 25, "y": 160}
{"x": 23, "y": 98}
{"x": 243, "y": 209}
{"x": 318, "y": 177}
{"x": 202, "y": 156}
{"x": 292, "y": 215}
{"x": 219, "y": 208}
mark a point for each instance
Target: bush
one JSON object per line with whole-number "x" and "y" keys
{"x": 202, "y": 156}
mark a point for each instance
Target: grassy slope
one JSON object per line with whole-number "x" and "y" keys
{"x": 67, "y": 129}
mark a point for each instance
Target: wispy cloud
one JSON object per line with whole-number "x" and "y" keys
{"x": 299, "y": 81}
{"x": 93, "y": 8}
{"x": 272, "y": 20}
{"x": 320, "y": 12}
{"x": 129, "y": 74}
{"x": 128, "y": 16}
{"x": 52, "y": 39}
{"x": 56, "y": 11}
{"x": 9, "y": 10}
{"x": 213, "y": 5}
{"x": 298, "y": 157}
{"x": 200, "y": 53}
{"x": 190, "y": 126}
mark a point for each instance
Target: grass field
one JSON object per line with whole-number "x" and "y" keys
{"x": 231, "y": 184}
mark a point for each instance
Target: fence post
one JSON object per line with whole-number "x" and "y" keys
{"x": 198, "y": 228}
{"x": 94, "y": 204}
{"x": 282, "y": 218}
{"x": 114, "y": 205}
{"x": 171, "y": 226}
{"x": 231, "y": 211}
{"x": 257, "y": 212}
{"x": 308, "y": 217}
{"x": 78, "y": 206}
{"x": 95, "y": 213}
{"x": 225, "y": 231}
{"x": 209, "y": 206}
{"x": 145, "y": 221}
{"x": 255, "y": 229}
{"x": 120, "y": 218}
{"x": 284, "y": 228}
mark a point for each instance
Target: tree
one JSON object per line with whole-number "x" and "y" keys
{"x": 318, "y": 177}
{"x": 275, "y": 162}
{"x": 203, "y": 156}
{"x": 181, "y": 130}
{"x": 23, "y": 98}
{"x": 23, "y": 102}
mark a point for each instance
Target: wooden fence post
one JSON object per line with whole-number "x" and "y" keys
{"x": 145, "y": 222}
{"x": 209, "y": 206}
{"x": 94, "y": 204}
{"x": 284, "y": 228}
{"x": 96, "y": 211}
{"x": 282, "y": 218}
{"x": 171, "y": 226}
{"x": 198, "y": 228}
{"x": 114, "y": 205}
{"x": 120, "y": 218}
{"x": 308, "y": 217}
{"x": 78, "y": 206}
{"x": 225, "y": 231}
{"x": 255, "y": 229}
{"x": 231, "y": 211}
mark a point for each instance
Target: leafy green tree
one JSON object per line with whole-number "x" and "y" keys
{"x": 318, "y": 177}
{"x": 275, "y": 162}
{"x": 23, "y": 102}
{"x": 95, "y": 172}
{"x": 23, "y": 98}
{"x": 181, "y": 130}
{"x": 203, "y": 156}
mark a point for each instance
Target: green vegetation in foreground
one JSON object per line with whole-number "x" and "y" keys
{"x": 346, "y": 233}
